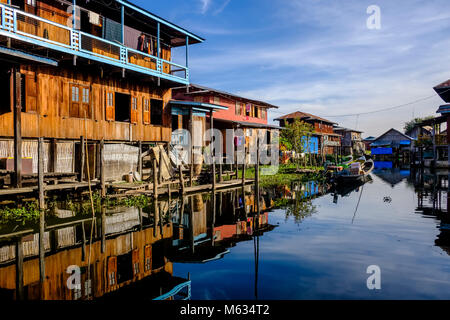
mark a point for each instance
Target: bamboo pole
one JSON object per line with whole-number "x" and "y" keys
{"x": 155, "y": 180}
{"x": 83, "y": 158}
{"x": 102, "y": 169}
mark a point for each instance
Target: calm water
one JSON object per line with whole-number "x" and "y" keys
{"x": 312, "y": 242}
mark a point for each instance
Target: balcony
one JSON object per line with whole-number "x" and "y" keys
{"x": 35, "y": 30}
{"x": 440, "y": 139}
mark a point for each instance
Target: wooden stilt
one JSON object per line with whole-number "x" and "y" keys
{"x": 191, "y": 226}
{"x": 17, "y": 110}
{"x": 83, "y": 158}
{"x": 83, "y": 247}
{"x": 102, "y": 169}
{"x": 140, "y": 160}
{"x": 53, "y": 155}
{"x": 161, "y": 160}
{"x": 103, "y": 241}
{"x": 182, "y": 190}
{"x": 191, "y": 130}
{"x": 213, "y": 167}
{"x": 155, "y": 180}
{"x": 19, "y": 270}
{"x": 244, "y": 164}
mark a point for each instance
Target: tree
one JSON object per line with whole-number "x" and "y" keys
{"x": 411, "y": 124}
{"x": 296, "y": 137}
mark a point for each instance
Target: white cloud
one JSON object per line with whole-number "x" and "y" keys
{"x": 205, "y": 5}
{"x": 335, "y": 65}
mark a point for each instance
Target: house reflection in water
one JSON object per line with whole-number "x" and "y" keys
{"x": 132, "y": 251}
{"x": 202, "y": 236}
{"x": 126, "y": 248}
{"x": 433, "y": 201}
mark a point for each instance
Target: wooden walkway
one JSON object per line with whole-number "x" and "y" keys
{"x": 126, "y": 189}
{"x": 57, "y": 187}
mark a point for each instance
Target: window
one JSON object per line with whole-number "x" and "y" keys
{"x": 263, "y": 114}
{"x": 146, "y": 111}
{"x": 85, "y": 95}
{"x": 80, "y": 105}
{"x": 238, "y": 108}
{"x": 156, "y": 109}
{"x": 134, "y": 108}
{"x": 248, "y": 109}
{"x": 75, "y": 94}
{"x": 122, "y": 108}
{"x": 256, "y": 112}
{"x": 110, "y": 106}
{"x": 217, "y": 100}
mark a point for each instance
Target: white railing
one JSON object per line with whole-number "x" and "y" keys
{"x": 31, "y": 28}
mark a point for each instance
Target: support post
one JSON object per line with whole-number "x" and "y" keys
{"x": 182, "y": 190}
{"x": 53, "y": 155}
{"x": 83, "y": 247}
{"x": 257, "y": 179}
{"x": 41, "y": 190}
{"x": 103, "y": 241}
{"x": 19, "y": 270}
{"x": 140, "y": 160}
{"x": 155, "y": 180}
{"x": 211, "y": 146}
{"x": 244, "y": 164}
{"x": 83, "y": 158}
{"x": 191, "y": 130}
{"x": 102, "y": 169}
{"x": 17, "y": 109}
{"x": 161, "y": 160}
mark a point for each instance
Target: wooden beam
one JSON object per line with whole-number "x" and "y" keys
{"x": 102, "y": 169}
{"x": 17, "y": 110}
{"x": 211, "y": 147}
{"x": 19, "y": 270}
{"x": 41, "y": 189}
{"x": 83, "y": 158}
{"x": 53, "y": 155}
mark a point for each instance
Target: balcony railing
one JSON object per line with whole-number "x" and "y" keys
{"x": 440, "y": 139}
{"x": 38, "y": 31}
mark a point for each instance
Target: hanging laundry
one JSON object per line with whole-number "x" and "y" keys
{"x": 112, "y": 30}
{"x": 94, "y": 18}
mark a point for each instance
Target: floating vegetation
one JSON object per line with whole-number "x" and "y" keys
{"x": 26, "y": 213}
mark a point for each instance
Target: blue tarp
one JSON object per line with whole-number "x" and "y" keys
{"x": 383, "y": 165}
{"x": 313, "y": 145}
{"x": 381, "y": 151}
{"x": 405, "y": 143}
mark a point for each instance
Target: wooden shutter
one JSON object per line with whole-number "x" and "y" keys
{"x": 146, "y": 111}
{"x": 85, "y": 102}
{"x": 110, "y": 105}
{"x": 135, "y": 261}
{"x": 112, "y": 271}
{"x": 134, "y": 110}
{"x": 148, "y": 258}
{"x": 74, "y": 108}
{"x": 31, "y": 93}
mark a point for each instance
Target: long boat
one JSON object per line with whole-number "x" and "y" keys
{"x": 348, "y": 176}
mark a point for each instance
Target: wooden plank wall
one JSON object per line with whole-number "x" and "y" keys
{"x": 52, "y": 118}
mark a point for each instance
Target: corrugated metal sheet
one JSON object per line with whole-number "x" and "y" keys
{"x": 119, "y": 160}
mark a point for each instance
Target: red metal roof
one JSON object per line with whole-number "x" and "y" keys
{"x": 304, "y": 116}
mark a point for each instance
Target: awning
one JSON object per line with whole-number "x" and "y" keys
{"x": 243, "y": 124}
{"x": 197, "y": 106}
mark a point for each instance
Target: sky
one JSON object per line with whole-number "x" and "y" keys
{"x": 319, "y": 56}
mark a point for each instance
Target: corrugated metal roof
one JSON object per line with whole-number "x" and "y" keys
{"x": 204, "y": 90}
{"x": 304, "y": 116}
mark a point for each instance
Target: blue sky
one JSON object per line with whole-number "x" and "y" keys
{"x": 318, "y": 56}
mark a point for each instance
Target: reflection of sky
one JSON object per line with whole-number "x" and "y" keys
{"x": 326, "y": 256}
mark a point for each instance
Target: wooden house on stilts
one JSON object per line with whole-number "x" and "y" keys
{"x": 85, "y": 72}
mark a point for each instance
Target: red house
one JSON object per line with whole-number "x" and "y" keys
{"x": 237, "y": 112}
